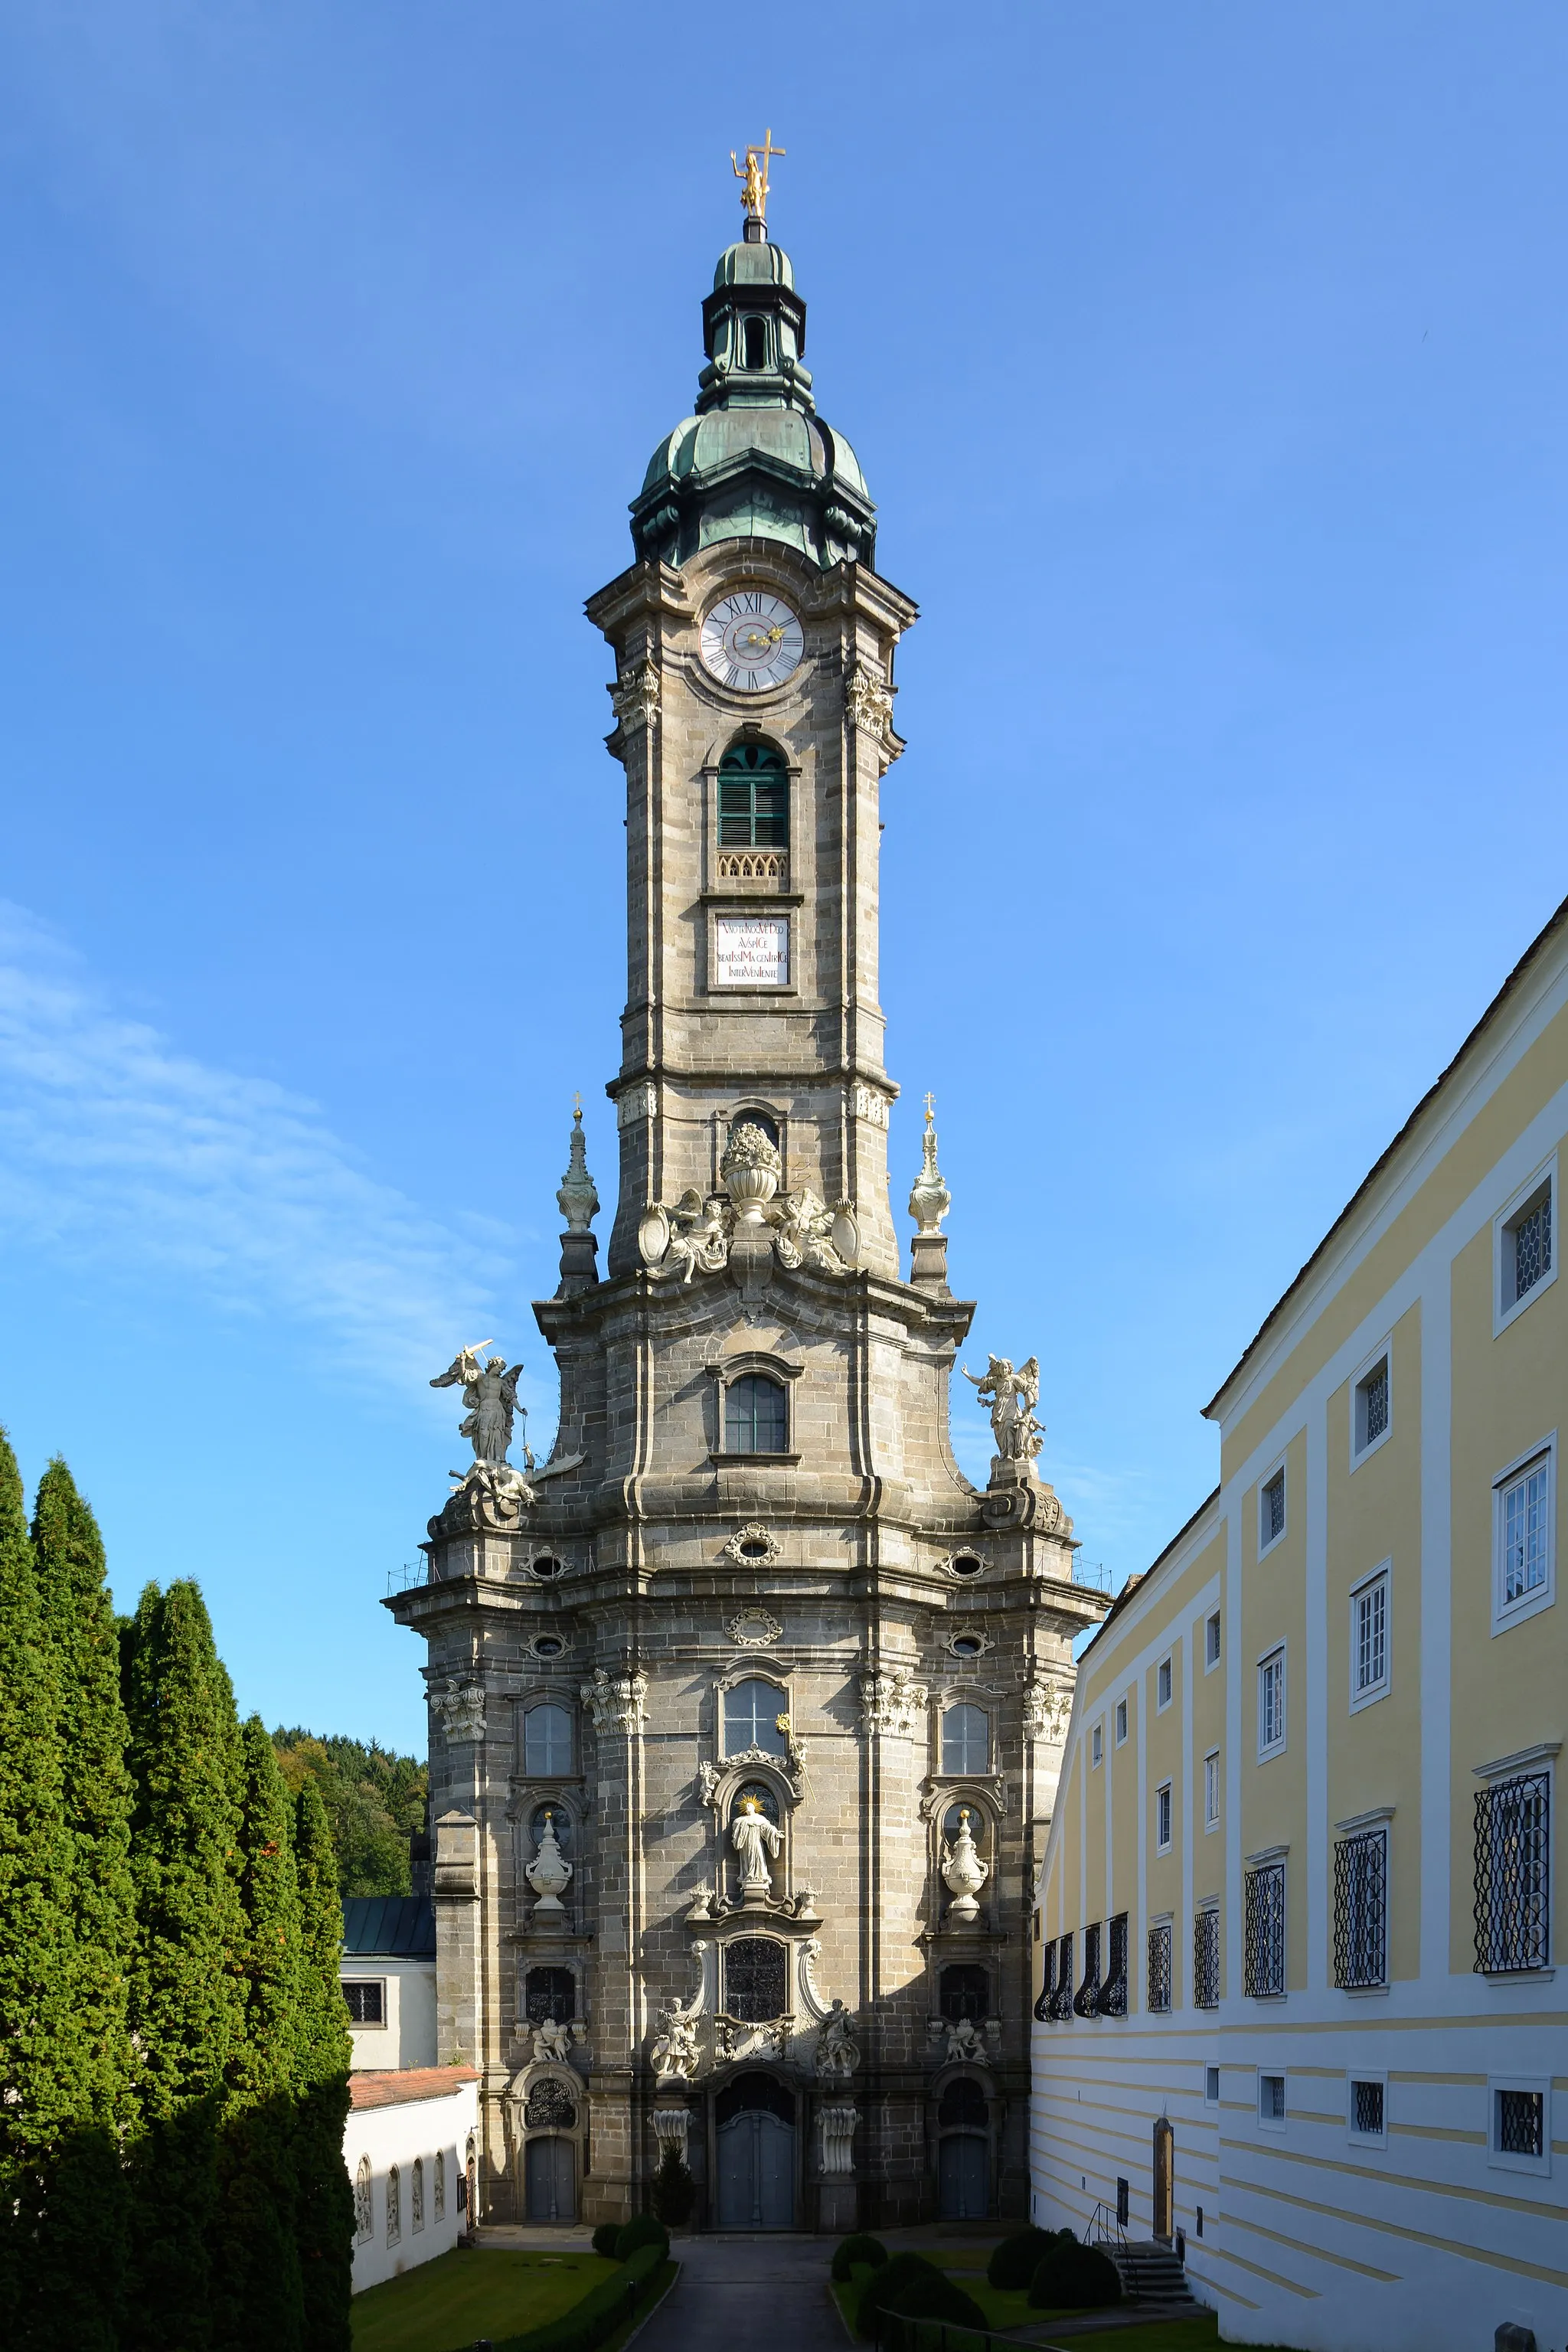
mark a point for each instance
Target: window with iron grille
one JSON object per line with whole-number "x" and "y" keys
{"x": 1263, "y": 1965}
{"x": 1160, "y": 1941}
{"x": 1113, "y": 1992}
{"x": 1367, "y": 2109}
{"x": 1519, "y": 2125}
{"x": 1524, "y": 1532}
{"x": 1059, "y": 2005}
{"x": 1087, "y": 1997}
{"x": 366, "y": 2000}
{"x": 1271, "y": 1511}
{"x": 1047, "y": 1982}
{"x": 1163, "y": 1684}
{"x": 1361, "y": 1910}
{"x": 1513, "y": 1884}
{"x": 1527, "y": 1247}
{"x": 1371, "y": 1406}
{"x": 1368, "y": 1638}
{"x": 1272, "y": 1705}
{"x": 1206, "y": 1959}
{"x": 1211, "y": 1640}
{"x": 756, "y": 1980}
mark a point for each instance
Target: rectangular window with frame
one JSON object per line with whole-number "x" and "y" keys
{"x": 1361, "y": 1911}
{"x": 1524, "y": 1565}
{"x": 1205, "y": 1957}
{"x": 1271, "y": 1704}
{"x": 1211, "y": 1641}
{"x": 1163, "y": 1685}
{"x": 1519, "y": 2123}
{"x": 366, "y": 1999}
{"x": 1211, "y": 1789}
{"x": 1121, "y": 1721}
{"x": 1211, "y": 2086}
{"x": 1263, "y": 1965}
{"x": 1369, "y": 1639}
{"x": 1160, "y": 1965}
{"x": 1096, "y": 1745}
{"x": 1513, "y": 1876}
{"x": 1369, "y": 1406}
{"x": 1525, "y": 1249}
{"x": 1271, "y": 2098}
{"x": 1162, "y": 1817}
{"x": 1271, "y": 1510}
{"x": 1367, "y": 2113}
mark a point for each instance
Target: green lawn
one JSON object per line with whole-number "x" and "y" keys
{"x": 967, "y": 2269}
{"x": 446, "y": 2305}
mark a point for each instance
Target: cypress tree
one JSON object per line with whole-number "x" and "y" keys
{"x": 261, "y": 2293}
{"x": 326, "y": 2219}
{"x": 83, "y": 2235}
{"x": 185, "y": 2006}
{"x": 41, "y": 2059}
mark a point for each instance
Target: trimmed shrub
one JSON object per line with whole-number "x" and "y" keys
{"x": 937, "y": 2297}
{"x": 674, "y": 2190}
{"x": 1071, "y": 2277}
{"x": 604, "y": 2238}
{"x": 646, "y": 2229}
{"x": 600, "y": 2313}
{"x": 1015, "y": 2261}
{"x": 858, "y": 2249}
{"x": 886, "y": 2284}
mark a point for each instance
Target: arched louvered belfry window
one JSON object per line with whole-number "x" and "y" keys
{"x": 754, "y": 798}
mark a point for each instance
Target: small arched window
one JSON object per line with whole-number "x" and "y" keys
{"x": 416, "y": 2195}
{"x": 755, "y": 344}
{"x": 394, "y": 2206}
{"x": 752, "y": 1712}
{"x": 963, "y": 2106}
{"x": 438, "y": 2187}
{"x": 547, "y": 1741}
{"x": 550, "y": 1997}
{"x": 364, "y": 2211}
{"x": 966, "y": 1740}
{"x": 965, "y": 1991}
{"x": 757, "y": 1415}
{"x": 754, "y": 798}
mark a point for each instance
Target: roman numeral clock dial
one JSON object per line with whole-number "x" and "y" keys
{"x": 751, "y": 641}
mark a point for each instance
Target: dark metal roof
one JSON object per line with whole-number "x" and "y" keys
{"x": 396, "y": 1927}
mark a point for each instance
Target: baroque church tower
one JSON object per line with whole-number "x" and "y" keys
{"x": 746, "y": 1707}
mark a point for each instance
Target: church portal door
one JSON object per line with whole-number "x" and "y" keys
{"x": 551, "y": 2180}
{"x": 755, "y": 2116}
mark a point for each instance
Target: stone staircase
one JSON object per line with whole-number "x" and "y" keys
{"x": 1149, "y": 2272}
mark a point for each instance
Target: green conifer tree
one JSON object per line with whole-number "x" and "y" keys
{"x": 260, "y": 2291}
{"x": 83, "y": 2226}
{"x": 41, "y": 2059}
{"x": 326, "y": 2216}
{"x": 184, "y": 2005}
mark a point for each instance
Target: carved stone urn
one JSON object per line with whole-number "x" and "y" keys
{"x": 751, "y": 1169}
{"x": 964, "y": 1875}
{"x": 549, "y": 1872}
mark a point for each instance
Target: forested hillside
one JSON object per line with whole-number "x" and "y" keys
{"x": 374, "y": 1802}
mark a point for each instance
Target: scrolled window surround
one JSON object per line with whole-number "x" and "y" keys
{"x": 755, "y": 1364}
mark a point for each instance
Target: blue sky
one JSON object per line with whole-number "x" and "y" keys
{"x": 1206, "y": 362}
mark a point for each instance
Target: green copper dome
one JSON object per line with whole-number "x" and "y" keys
{"x": 755, "y": 461}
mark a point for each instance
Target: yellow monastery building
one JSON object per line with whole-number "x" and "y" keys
{"x": 1297, "y": 1912}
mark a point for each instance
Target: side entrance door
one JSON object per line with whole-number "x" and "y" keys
{"x": 551, "y": 2180}
{"x": 963, "y": 2166}
{"x": 756, "y": 2155}
{"x": 1164, "y": 2179}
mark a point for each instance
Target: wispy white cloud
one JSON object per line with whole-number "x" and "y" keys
{"x": 120, "y": 1153}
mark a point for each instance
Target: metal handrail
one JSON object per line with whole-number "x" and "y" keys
{"x": 1105, "y": 2230}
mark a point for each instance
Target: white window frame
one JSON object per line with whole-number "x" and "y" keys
{"x": 1359, "y": 2138}
{"x": 1273, "y": 2075}
{"x": 1211, "y": 2076}
{"x": 1504, "y": 1224}
{"x": 1096, "y": 1745}
{"x": 1121, "y": 1722}
{"x": 1212, "y": 1788}
{"x": 1506, "y": 1615}
{"x": 1541, "y": 2165}
{"x": 1212, "y": 1655}
{"x": 1363, "y": 1448}
{"x": 1165, "y": 1792}
{"x": 1267, "y": 1750}
{"x": 1165, "y": 1680}
{"x": 382, "y": 2025}
{"x": 1382, "y": 1574}
{"x": 1266, "y": 1543}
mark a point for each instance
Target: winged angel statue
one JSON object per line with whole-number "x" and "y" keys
{"x": 489, "y": 1391}
{"x": 1013, "y": 1396}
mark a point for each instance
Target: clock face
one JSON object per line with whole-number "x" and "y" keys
{"x": 752, "y": 640}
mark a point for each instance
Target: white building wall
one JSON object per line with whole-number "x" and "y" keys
{"x": 407, "y": 2037}
{"x": 410, "y": 2131}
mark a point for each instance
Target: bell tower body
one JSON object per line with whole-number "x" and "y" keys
{"x": 747, "y": 1707}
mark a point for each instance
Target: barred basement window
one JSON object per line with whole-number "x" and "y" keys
{"x": 1361, "y": 1910}
{"x": 365, "y": 2004}
{"x": 1113, "y": 1994}
{"x": 1060, "y": 2006}
{"x": 1263, "y": 1972}
{"x": 1519, "y": 2127}
{"x": 1160, "y": 1941}
{"x": 1086, "y": 1998}
{"x": 1366, "y": 2110}
{"x": 1513, "y": 1884}
{"x": 1047, "y": 1984}
{"x": 1206, "y": 1959}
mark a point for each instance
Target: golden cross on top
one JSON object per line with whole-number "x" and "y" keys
{"x": 577, "y": 1104}
{"x": 754, "y": 172}
{"x": 931, "y": 1112}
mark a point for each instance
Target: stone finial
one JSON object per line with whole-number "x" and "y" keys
{"x": 964, "y": 1873}
{"x": 549, "y": 1873}
{"x": 929, "y": 1202}
{"x": 578, "y": 1200}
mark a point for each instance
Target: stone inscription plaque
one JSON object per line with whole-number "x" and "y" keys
{"x": 750, "y": 951}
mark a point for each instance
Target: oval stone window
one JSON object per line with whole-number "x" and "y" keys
{"x": 967, "y": 1564}
{"x": 546, "y": 1567}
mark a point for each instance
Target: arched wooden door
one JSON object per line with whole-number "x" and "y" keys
{"x": 551, "y": 2180}
{"x": 964, "y": 2168}
{"x": 1164, "y": 2179}
{"x": 755, "y": 2118}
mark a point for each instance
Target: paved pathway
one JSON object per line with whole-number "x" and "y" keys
{"x": 767, "y": 2293}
